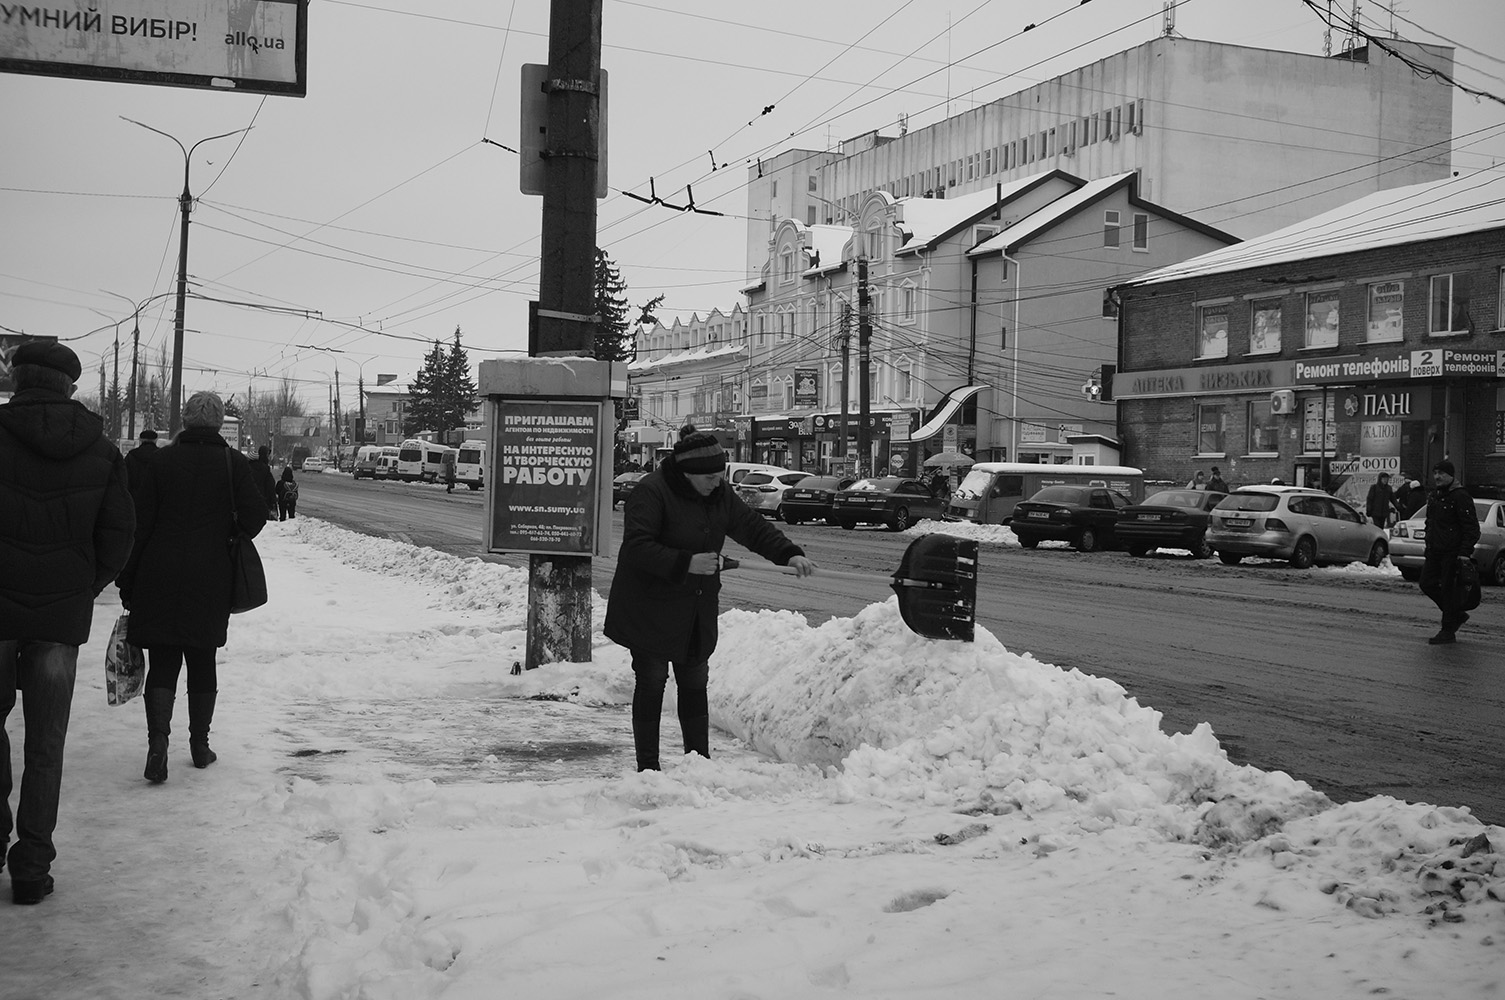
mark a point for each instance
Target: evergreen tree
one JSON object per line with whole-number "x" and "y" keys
{"x": 614, "y": 340}
{"x": 459, "y": 397}
{"x": 424, "y": 411}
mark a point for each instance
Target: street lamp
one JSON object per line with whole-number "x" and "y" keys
{"x": 359, "y": 437}
{"x": 185, "y": 206}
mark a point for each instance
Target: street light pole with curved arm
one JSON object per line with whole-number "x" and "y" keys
{"x": 359, "y": 437}
{"x": 185, "y": 206}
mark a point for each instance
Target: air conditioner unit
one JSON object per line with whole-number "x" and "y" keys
{"x": 1283, "y": 401}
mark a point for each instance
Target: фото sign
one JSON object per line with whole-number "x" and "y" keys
{"x": 545, "y": 486}
{"x": 260, "y": 46}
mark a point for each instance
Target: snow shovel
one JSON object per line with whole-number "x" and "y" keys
{"x": 936, "y": 582}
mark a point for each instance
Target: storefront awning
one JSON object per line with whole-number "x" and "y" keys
{"x": 953, "y": 402}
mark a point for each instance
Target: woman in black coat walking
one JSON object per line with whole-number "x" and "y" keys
{"x": 177, "y": 582}
{"x": 287, "y": 495}
{"x": 665, "y": 594}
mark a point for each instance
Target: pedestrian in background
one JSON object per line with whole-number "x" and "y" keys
{"x": 665, "y": 595}
{"x": 1409, "y": 498}
{"x": 1452, "y": 530}
{"x": 261, "y": 472}
{"x": 1216, "y": 481}
{"x": 1380, "y": 501}
{"x": 177, "y": 582}
{"x": 287, "y": 495}
{"x": 1198, "y": 481}
{"x": 137, "y": 458}
{"x": 65, "y": 530}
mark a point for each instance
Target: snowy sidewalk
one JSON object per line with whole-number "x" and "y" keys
{"x": 998, "y": 827}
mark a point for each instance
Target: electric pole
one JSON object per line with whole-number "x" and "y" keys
{"x": 559, "y": 585}
{"x": 864, "y": 345}
{"x": 846, "y": 380}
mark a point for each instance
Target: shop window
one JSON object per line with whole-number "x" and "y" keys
{"x": 1110, "y": 229}
{"x": 1212, "y": 332}
{"x": 1212, "y": 429}
{"x": 1449, "y": 312}
{"x": 1386, "y": 302}
{"x": 1322, "y": 319}
{"x": 1264, "y": 327}
{"x": 1264, "y": 430}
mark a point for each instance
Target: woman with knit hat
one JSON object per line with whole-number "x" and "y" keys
{"x": 665, "y": 595}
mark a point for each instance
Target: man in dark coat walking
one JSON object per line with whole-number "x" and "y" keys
{"x": 1380, "y": 501}
{"x": 665, "y": 594}
{"x": 66, "y": 520}
{"x": 1452, "y": 530}
{"x": 137, "y": 458}
{"x": 261, "y": 471}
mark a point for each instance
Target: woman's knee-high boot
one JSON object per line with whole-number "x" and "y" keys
{"x": 200, "y": 715}
{"x": 158, "y": 728}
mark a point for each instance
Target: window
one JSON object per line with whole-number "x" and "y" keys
{"x": 1129, "y": 116}
{"x": 774, "y": 192}
{"x": 1141, "y": 231}
{"x": 1212, "y": 427}
{"x": 903, "y": 383}
{"x": 1110, "y": 307}
{"x": 1264, "y": 431}
{"x": 810, "y": 215}
{"x": 1212, "y": 332}
{"x": 987, "y": 162}
{"x": 1110, "y": 229}
{"x": 1386, "y": 301}
{"x": 1050, "y": 146}
{"x": 810, "y": 184}
{"x": 786, "y": 265}
{"x": 1321, "y": 319}
{"x": 1264, "y": 327}
{"x": 762, "y": 329}
{"x": 1449, "y": 312}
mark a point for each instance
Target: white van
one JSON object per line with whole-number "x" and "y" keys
{"x": 989, "y": 491}
{"x": 420, "y": 461}
{"x": 470, "y": 464}
{"x": 386, "y": 463}
{"x": 365, "y": 461}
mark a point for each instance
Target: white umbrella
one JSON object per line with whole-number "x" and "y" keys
{"x": 946, "y": 458}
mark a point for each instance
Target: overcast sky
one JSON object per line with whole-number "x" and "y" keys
{"x": 375, "y": 213}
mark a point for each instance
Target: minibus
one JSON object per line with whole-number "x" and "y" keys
{"x": 420, "y": 461}
{"x": 989, "y": 491}
{"x": 470, "y": 464}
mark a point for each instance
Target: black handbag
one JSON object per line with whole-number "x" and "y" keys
{"x": 1469, "y": 594}
{"x": 248, "y": 581}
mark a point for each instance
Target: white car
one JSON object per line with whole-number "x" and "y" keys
{"x": 763, "y": 491}
{"x": 315, "y": 465}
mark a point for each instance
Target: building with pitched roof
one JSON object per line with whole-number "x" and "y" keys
{"x": 1367, "y": 339}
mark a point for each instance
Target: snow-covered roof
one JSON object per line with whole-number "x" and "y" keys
{"x": 1048, "y": 216}
{"x": 1450, "y": 207}
{"x": 927, "y": 219}
{"x": 684, "y": 357}
{"x": 827, "y": 243}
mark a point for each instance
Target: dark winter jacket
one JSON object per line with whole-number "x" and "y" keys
{"x": 136, "y": 461}
{"x": 1452, "y": 523}
{"x": 177, "y": 582}
{"x": 1378, "y": 502}
{"x": 656, "y": 606}
{"x": 65, "y": 517}
{"x": 261, "y": 472}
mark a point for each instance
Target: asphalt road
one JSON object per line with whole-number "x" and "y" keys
{"x": 1325, "y": 676}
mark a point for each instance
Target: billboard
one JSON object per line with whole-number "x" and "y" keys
{"x": 545, "y": 487}
{"x": 304, "y": 427}
{"x": 260, "y": 46}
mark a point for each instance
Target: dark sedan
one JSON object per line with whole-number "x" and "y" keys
{"x": 810, "y": 499}
{"x": 623, "y": 484}
{"x": 891, "y": 500}
{"x": 1085, "y": 516}
{"x": 1172, "y": 519}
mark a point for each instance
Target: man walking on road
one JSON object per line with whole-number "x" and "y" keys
{"x": 1379, "y": 501}
{"x": 66, "y": 526}
{"x": 1452, "y": 530}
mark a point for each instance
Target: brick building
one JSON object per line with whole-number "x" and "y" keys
{"x": 1366, "y": 339}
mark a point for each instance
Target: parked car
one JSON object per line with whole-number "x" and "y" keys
{"x": 1084, "y": 516}
{"x": 810, "y": 499}
{"x": 1306, "y": 526}
{"x": 312, "y": 464}
{"x": 1409, "y": 538}
{"x": 365, "y": 461}
{"x": 892, "y": 500}
{"x": 764, "y": 491}
{"x": 623, "y": 484}
{"x": 1171, "y": 519}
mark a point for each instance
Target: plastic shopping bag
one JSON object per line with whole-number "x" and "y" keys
{"x": 125, "y": 665}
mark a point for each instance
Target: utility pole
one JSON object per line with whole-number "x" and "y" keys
{"x": 846, "y": 379}
{"x": 115, "y": 391}
{"x": 185, "y": 206}
{"x": 559, "y": 585}
{"x": 339, "y": 437}
{"x": 864, "y": 351}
